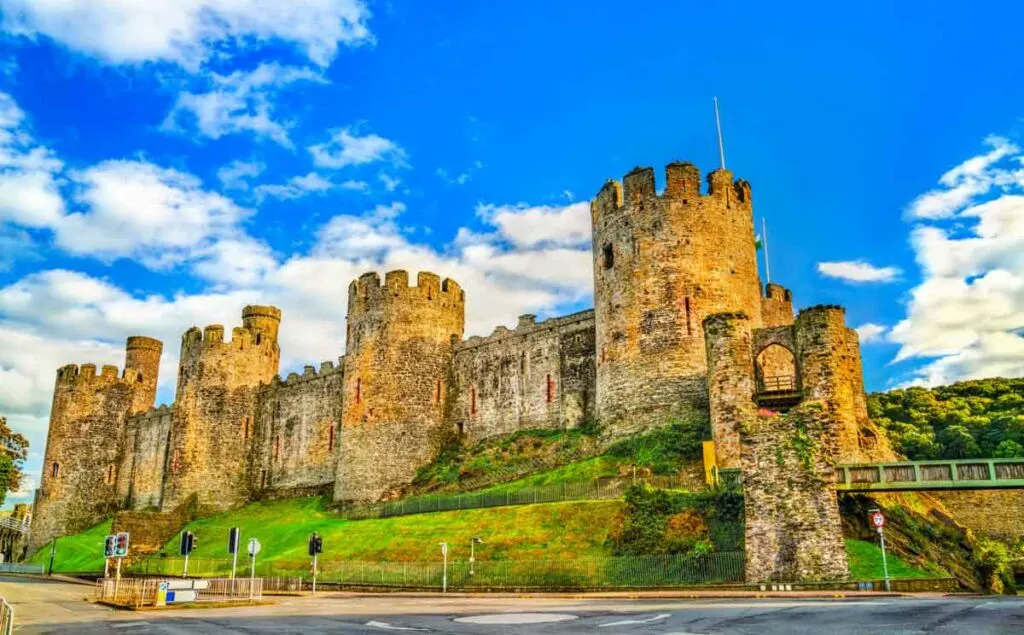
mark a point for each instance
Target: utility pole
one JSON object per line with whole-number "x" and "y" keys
{"x": 444, "y": 571}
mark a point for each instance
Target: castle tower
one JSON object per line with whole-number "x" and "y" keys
{"x": 730, "y": 382}
{"x": 218, "y": 383}
{"x": 85, "y": 440}
{"x": 142, "y": 365}
{"x": 662, "y": 263}
{"x": 777, "y": 306}
{"x": 398, "y": 361}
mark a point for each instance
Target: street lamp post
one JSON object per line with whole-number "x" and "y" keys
{"x": 472, "y": 552}
{"x": 444, "y": 570}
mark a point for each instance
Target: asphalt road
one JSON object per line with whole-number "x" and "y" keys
{"x": 43, "y": 607}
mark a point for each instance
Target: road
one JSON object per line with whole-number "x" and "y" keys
{"x": 45, "y": 607}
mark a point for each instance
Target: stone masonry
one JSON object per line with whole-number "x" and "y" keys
{"x": 681, "y": 330}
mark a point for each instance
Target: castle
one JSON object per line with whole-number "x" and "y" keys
{"x": 681, "y": 329}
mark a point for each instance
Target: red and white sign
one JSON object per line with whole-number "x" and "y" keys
{"x": 878, "y": 520}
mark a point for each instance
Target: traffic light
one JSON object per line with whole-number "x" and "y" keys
{"x": 121, "y": 544}
{"x": 233, "y": 537}
{"x": 108, "y": 547}
{"x": 316, "y": 545}
{"x": 188, "y": 543}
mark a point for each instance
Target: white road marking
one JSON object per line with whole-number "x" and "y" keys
{"x": 128, "y": 624}
{"x": 516, "y": 618}
{"x": 656, "y": 618}
{"x": 389, "y": 627}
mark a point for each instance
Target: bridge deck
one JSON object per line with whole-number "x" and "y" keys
{"x": 931, "y": 475}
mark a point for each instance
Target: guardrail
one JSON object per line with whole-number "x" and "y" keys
{"x": 139, "y": 592}
{"x": 932, "y": 475}
{"x": 579, "y": 573}
{"x": 6, "y": 617}
{"x": 598, "y": 489}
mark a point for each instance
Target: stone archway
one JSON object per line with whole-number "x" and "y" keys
{"x": 775, "y": 367}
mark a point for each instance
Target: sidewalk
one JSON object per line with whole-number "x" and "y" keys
{"x": 649, "y": 595}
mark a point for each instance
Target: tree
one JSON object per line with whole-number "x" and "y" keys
{"x": 13, "y": 450}
{"x": 1009, "y": 449}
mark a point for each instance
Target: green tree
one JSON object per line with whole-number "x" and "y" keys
{"x": 13, "y": 450}
{"x": 1009, "y": 449}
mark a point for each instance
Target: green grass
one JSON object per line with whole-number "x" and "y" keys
{"x": 586, "y": 470}
{"x": 523, "y": 532}
{"x": 866, "y": 563}
{"x": 78, "y": 552}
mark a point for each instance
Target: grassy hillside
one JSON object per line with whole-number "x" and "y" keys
{"x": 866, "y": 563}
{"x": 78, "y": 552}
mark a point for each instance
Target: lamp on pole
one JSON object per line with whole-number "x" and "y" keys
{"x": 472, "y": 552}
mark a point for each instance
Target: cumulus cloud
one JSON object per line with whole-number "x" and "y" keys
{"x": 188, "y": 32}
{"x": 237, "y": 174}
{"x": 858, "y": 271}
{"x": 239, "y": 102}
{"x": 29, "y": 173}
{"x": 300, "y": 186}
{"x": 966, "y": 316}
{"x": 526, "y": 226}
{"x": 346, "y": 146}
{"x": 870, "y": 332}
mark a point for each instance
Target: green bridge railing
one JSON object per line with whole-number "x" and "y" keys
{"x": 932, "y": 475}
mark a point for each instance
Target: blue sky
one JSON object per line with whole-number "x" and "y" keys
{"x": 164, "y": 163}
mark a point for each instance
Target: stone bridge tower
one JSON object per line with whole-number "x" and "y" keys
{"x": 662, "y": 263}
{"x": 86, "y": 437}
{"x": 215, "y": 405}
{"x": 398, "y": 362}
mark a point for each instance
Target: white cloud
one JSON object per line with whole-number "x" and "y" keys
{"x": 29, "y": 173}
{"x": 236, "y": 175}
{"x": 870, "y": 333}
{"x": 526, "y": 226}
{"x": 346, "y": 147}
{"x": 965, "y": 182}
{"x": 390, "y": 183}
{"x": 136, "y": 209}
{"x": 461, "y": 179}
{"x": 187, "y": 32}
{"x": 966, "y": 317}
{"x": 311, "y": 183}
{"x": 858, "y": 271}
{"x": 240, "y": 102}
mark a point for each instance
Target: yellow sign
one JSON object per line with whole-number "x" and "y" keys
{"x": 710, "y": 464}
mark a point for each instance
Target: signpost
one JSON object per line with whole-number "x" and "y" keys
{"x": 188, "y": 544}
{"x": 472, "y": 551}
{"x": 878, "y": 520}
{"x": 316, "y": 546}
{"x": 444, "y": 575}
{"x": 254, "y": 548}
{"x": 234, "y": 535}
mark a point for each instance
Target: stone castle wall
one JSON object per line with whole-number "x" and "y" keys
{"x": 662, "y": 263}
{"x": 218, "y": 385}
{"x": 793, "y": 529}
{"x": 298, "y": 432}
{"x": 144, "y": 463}
{"x": 398, "y": 366}
{"x": 539, "y": 375}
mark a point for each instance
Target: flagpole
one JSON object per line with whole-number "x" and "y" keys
{"x": 718, "y": 125}
{"x": 764, "y": 241}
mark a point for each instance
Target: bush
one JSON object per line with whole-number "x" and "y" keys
{"x": 657, "y": 522}
{"x": 664, "y": 451}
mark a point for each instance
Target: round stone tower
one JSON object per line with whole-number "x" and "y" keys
{"x": 662, "y": 263}
{"x": 142, "y": 365}
{"x": 398, "y": 361}
{"x": 218, "y": 383}
{"x": 84, "y": 443}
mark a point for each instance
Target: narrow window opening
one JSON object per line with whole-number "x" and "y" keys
{"x": 551, "y": 390}
{"x": 139, "y": 377}
{"x": 259, "y": 338}
{"x": 263, "y": 479}
{"x": 359, "y": 390}
{"x": 472, "y": 400}
{"x": 245, "y": 427}
{"x": 437, "y": 392}
{"x": 330, "y": 437}
{"x": 277, "y": 447}
{"x": 608, "y": 256}
{"x": 462, "y": 427}
{"x": 689, "y": 326}
{"x": 55, "y": 470}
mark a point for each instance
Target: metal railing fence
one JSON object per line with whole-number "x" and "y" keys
{"x": 6, "y": 617}
{"x": 139, "y": 592}
{"x": 599, "y": 489}
{"x": 581, "y": 573}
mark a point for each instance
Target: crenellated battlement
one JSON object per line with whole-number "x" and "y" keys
{"x": 527, "y": 325}
{"x": 682, "y": 182}
{"x": 367, "y": 293}
{"x": 309, "y": 373}
{"x": 74, "y": 374}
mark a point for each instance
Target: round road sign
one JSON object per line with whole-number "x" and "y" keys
{"x": 254, "y": 546}
{"x": 878, "y": 520}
